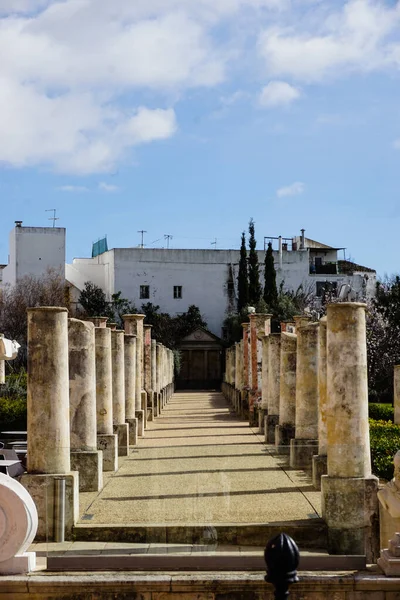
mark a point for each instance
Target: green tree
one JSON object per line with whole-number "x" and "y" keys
{"x": 121, "y": 306}
{"x": 255, "y": 290}
{"x": 270, "y": 289}
{"x": 170, "y": 330}
{"x": 94, "y": 302}
{"x": 243, "y": 278}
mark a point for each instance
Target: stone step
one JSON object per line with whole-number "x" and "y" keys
{"x": 308, "y": 534}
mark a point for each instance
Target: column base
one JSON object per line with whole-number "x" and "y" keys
{"x": 262, "y": 415}
{"x": 19, "y": 565}
{"x": 350, "y": 509}
{"x": 108, "y": 443}
{"x": 122, "y": 431}
{"x": 301, "y": 453}
{"x": 283, "y": 434}
{"x": 156, "y": 405}
{"x": 140, "y": 419}
{"x": 319, "y": 468}
{"x": 150, "y": 406}
{"x": 41, "y": 488}
{"x": 271, "y": 421}
{"x": 133, "y": 431}
{"x": 89, "y": 464}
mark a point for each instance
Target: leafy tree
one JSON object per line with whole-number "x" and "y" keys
{"x": 120, "y": 307}
{"x": 270, "y": 289}
{"x": 94, "y": 302}
{"x": 170, "y": 330}
{"x": 255, "y": 290}
{"x": 243, "y": 278}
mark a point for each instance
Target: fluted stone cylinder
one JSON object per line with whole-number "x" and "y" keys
{"x": 104, "y": 380}
{"x": 285, "y": 431}
{"x": 319, "y": 464}
{"x": 48, "y": 391}
{"x": 133, "y": 324}
{"x": 273, "y": 389}
{"x": 82, "y": 385}
{"x": 396, "y": 398}
{"x": 349, "y": 491}
{"x": 118, "y": 376}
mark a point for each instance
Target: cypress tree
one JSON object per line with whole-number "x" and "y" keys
{"x": 255, "y": 290}
{"x": 270, "y": 289}
{"x": 243, "y": 281}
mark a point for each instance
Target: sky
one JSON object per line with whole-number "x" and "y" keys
{"x": 188, "y": 118}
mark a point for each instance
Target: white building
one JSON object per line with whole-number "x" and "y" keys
{"x": 33, "y": 251}
{"x": 175, "y": 279}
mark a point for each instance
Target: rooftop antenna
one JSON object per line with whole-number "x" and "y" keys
{"x": 167, "y": 237}
{"x": 142, "y": 231}
{"x": 53, "y": 218}
{"x": 214, "y": 243}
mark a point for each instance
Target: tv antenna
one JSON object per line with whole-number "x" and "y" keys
{"x": 214, "y": 243}
{"x": 167, "y": 237}
{"x": 142, "y": 231}
{"x": 53, "y": 218}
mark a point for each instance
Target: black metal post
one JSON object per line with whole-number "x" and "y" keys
{"x": 281, "y": 556}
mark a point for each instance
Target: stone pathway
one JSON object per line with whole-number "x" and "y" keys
{"x": 199, "y": 464}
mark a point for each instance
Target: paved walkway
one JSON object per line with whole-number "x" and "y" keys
{"x": 199, "y": 464}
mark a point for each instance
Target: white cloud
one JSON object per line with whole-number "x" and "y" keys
{"x": 278, "y": 93}
{"x": 295, "y": 189}
{"x": 357, "y": 37}
{"x": 74, "y": 189}
{"x": 108, "y": 187}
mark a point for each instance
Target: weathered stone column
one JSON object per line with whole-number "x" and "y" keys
{"x": 149, "y": 402}
{"x": 120, "y": 427}
{"x": 305, "y": 444}
{"x": 396, "y": 395}
{"x": 85, "y": 457}
{"x": 154, "y": 376}
{"x": 2, "y": 371}
{"x": 264, "y": 384}
{"x": 349, "y": 491}
{"x": 159, "y": 376}
{"x": 238, "y": 376}
{"x": 48, "y": 418}
{"x": 107, "y": 441}
{"x": 320, "y": 461}
{"x": 273, "y": 387}
{"x": 285, "y": 431}
{"x": 130, "y": 387}
{"x": 133, "y": 324}
{"x": 246, "y": 371}
{"x": 98, "y": 321}
{"x": 260, "y": 325}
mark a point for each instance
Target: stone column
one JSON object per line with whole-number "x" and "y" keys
{"x": 85, "y": 457}
{"x": 130, "y": 387}
{"x": 260, "y": 325}
{"x": 238, "y": 378}
{"x": 349, "y": 491}
{"x": 285, "y": 431}
{"x": 98, "y": 321}
{"x": 396, "y": 396}
{"x": 246, "y": 371}
{"x": 107, "y": 441}
{"x": 149, "y": 402}
{"x": 48, "y": 418}
{"x": 2, "y": 372}
{"x": 264, "y": 384}
{"x": 305, "y": 444}
{"x": 319, "y": 461}
{"x": 154, "y": 376}
{"x": 133, "y": 324}
{"x": 120, "y": 427}
{"x": 159, "y": 376}
{"x": 273, "y": 387}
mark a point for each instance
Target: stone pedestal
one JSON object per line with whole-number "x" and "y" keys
{"x": 389, "y": 560}
{"x": 389, "y": 505}
{"x": 122, "y": 433}
{"x": 285, "y": 431}
{"x": 108, "y": 444}
{"x": 89, "y": 464}
{"x": 85, "y": 457}
{"x": 133, "y": 431}
{"x": 307, "y": 394}
{"x": 349, "y": 491}
{"x": 273, "y": 386}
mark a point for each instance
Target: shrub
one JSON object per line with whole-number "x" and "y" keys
{"x": 385, "y": 441}
{"x": 13, "y": 413}
{"x": 381, "y": 412}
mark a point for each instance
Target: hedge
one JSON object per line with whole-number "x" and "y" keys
{"x": 385, "y": 442}
{"x": 381, "y": 412}
{"x": 13, "y": 413}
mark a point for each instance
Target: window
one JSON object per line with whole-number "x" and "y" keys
{"x": 144, "y": 292}
{"x": 177, "y": 291}
{"x": 231, "y": 289}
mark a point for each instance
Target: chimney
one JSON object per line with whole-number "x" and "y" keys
{"x": 302, "y": 239}
{"x": 18, "y": 223}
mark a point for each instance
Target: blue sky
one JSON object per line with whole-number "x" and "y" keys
{"x": 188, "y": 118}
